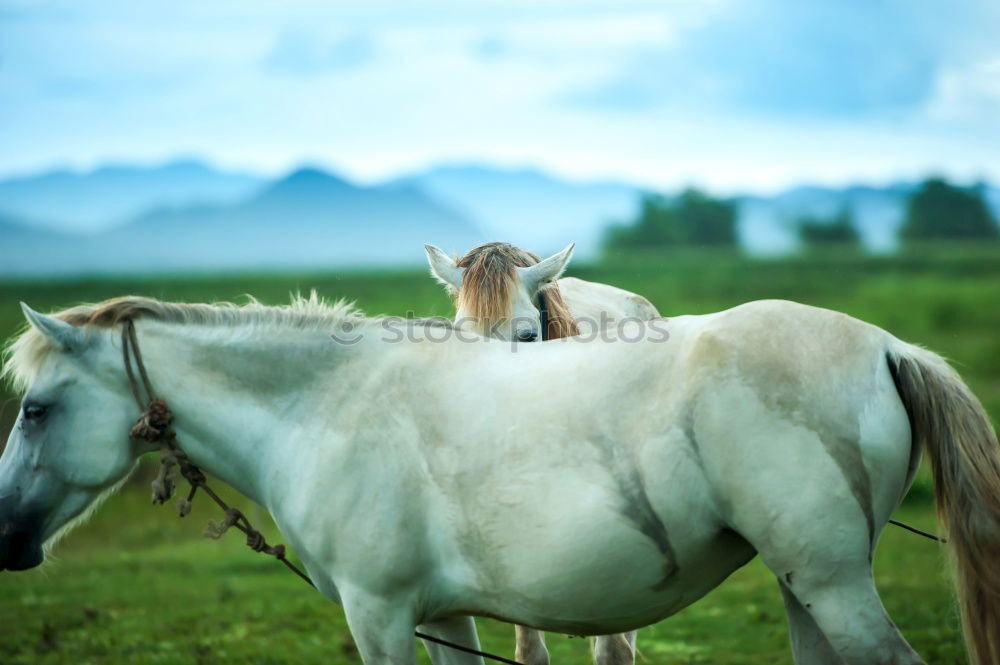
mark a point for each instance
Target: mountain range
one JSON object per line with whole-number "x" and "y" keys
{"x": 308, "y": 219}
{"x": 113, "y": 194}
{"x": 188, "y": 216}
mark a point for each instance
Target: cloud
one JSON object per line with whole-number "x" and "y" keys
{"x": 837, "y": 60}
{"x": 309, "y": 52}
{"x": 490, "y": 47}
{"x": 620, "y": 93}
{"x": 726, "y": 93}
{"x": 970, "y": 94}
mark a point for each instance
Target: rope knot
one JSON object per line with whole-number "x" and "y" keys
{"x": 215, "y": 530}
{"x": 183, "y": 507}
{"x": 144, "y": 430}
{"x": 191, "y": 473}
{"x": 255, "y": 540}
{"x": 159, "y": 414}
{"x": 163, "y": 484}
{"x": 153, "y": 424}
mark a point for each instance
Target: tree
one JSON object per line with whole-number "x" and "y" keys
{"x": 837, "y": 231}
{"x": 939, "y": 210}
{"x": 693, "y": 218}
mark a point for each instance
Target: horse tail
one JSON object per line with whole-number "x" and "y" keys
{"x": 948, "y": 421}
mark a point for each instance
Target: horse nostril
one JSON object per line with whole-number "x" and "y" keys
{"x": 526, "y": 336}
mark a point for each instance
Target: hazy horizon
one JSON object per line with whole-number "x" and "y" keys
{"x": 279, "y": 174}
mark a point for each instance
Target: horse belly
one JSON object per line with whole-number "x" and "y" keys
{"x": 594, "y": 566}
{"x": 609, "y": 590}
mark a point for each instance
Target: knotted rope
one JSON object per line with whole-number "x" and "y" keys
{"x": 154, "y": 426}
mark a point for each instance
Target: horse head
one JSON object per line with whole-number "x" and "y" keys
{"x": 68, "y": 445}
{"x": 499, "y": 290}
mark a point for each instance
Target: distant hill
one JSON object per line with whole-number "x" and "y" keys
{"x": 188, "y": 216}
{"x": 310, "y": 219}
{"x": 110, "y": 195}
{"x": 531, "y": 208}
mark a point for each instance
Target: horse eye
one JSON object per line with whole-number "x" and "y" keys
{"x": 35, "y": 411}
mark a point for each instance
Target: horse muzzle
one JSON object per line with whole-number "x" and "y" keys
{"x": 20, "y": 542}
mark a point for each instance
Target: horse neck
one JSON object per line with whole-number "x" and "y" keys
{"x": 231, "y": 397}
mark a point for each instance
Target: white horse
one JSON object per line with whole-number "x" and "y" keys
{"x": 496, "y": 288}
{"x": 501, "y": 290}
{"x": 579, "y": 488}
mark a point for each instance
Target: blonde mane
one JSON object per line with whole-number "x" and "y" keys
{"x": 25, "y": 352}
{"x": 488, "y": 283}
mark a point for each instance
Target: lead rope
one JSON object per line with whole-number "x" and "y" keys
{"x": 153, "y": 426}
{"x": 917, "y": 531}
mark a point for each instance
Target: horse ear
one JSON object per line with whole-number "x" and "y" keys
{"x": 443, "y": 267}
{"x": 65, "y": 336}
{"x": 547, "y": 271}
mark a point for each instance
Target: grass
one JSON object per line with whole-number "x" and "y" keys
{"x": 139, "y": 585}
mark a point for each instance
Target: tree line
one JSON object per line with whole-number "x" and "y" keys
{"x": 937, "y": 210}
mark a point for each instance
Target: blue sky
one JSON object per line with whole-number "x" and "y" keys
{"x": 730, "y": 94}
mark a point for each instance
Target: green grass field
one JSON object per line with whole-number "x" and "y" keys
{"x": 139, "y": 585}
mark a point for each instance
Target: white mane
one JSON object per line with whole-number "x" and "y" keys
{"x": 25, "y": 352}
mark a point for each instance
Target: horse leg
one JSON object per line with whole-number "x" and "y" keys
{"x": 615, "y": 649}
{"x": 812, "y": 497}
{"x": 459, "y": 630}
{"x": 530, "y": 648}
{"x": 831, "y": 579}
{"x": 809, "y": 645}
{"x": 820, "y": 554}
{"x": 854, "y": 622}
{"x": 382, "y": 630}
